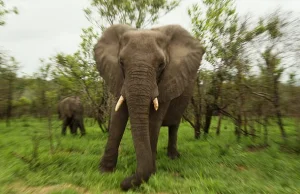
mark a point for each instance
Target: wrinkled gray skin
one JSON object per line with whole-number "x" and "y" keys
{"x": 70, "y": 110}
{"x": 141, "y": 65}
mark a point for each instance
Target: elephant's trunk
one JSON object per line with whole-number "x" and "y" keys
{"x": 138, "y": 97}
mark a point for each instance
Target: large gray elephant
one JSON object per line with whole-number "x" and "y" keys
{"x": 70, "y": 110}
{"x": 152, "y": 73}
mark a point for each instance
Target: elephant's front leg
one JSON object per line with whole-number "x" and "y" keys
{"x": 64, "y": 126}
{"x": 118, "y": 123}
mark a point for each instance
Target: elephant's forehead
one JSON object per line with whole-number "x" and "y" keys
{"x": 144, "y": 36}
{"x": 144, "y": 41}
{"x": 144, "y": 33}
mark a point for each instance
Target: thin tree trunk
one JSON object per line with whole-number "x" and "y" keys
{"x": 219, "y": 123}
{"x": 197, "y": 120}
{"x": 101, "y": 125}
{"x": 197, "y": 130}
{"x": 297, "y": 128}
{"x": 197, "y": 110}
{"x": 9, "y": 102}
{"x": 208, "y": 117}
{"x": 50, "y": 130}
{"x": 259, "y": 124}
{"x": 280, "y": 123}
{"x": 265, "y": 124}
{"x": 246, "y": 125}
{"x": 253, "y": 131}
{"x": 277, "y": 109}
{"x": 238, "y": 124}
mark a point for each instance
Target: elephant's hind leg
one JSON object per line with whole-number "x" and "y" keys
{"x": 81, "y": 127}
{"x": 172, "y": 144}
{"x": 73, "y": 126}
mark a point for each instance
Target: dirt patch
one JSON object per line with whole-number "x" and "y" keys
{"x": 177, "y": 175}
{"x": 256, "y": 148}
{"x": 111, "y": 192}
{"x": 19, "y": 187}
{"x": 241, "y": 168}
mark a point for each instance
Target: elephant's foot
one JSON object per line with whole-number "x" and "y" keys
{"x": 173, "y": 154}
{"x": 132, "y": 182}
{"x": 106, "y": 167}
{"x": 106, "y": 170}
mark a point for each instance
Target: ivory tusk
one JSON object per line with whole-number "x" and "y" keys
{"x": 155, "y": 102}
{"x": 120, "y": 101}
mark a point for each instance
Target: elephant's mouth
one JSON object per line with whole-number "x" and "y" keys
{"x": 122, "y": 99}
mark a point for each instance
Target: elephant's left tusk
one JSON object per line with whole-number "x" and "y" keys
{"x": 155, "y": 102}
{"x": 120, "y": 101}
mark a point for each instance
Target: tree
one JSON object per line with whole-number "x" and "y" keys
{"x": 8, "y": 75}
{"x": 4, "y": 11}
{"x": 224, "y": 35}
{"x": 196, "y": 108}
{"x": 8, "y": 67}
{"x": 76, "y": 74}
{"x": 281, "y": 48}
{"x": 138, "y": 13}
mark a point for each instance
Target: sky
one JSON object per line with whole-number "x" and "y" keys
{"x": 46, "y": 27}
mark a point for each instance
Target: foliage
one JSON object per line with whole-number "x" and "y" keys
{"x": 8, "y": 67}
{"x": 138, "y": 13}
{"x": 82, "y": 83}
{"x": 76, "y": 74}
{"x": 44, "y": 91}
{"x": 4, "y": 11}
{"x": 220, "y": 29}
{"x": 233, "y": 47}
{"x": 8, "y": 77}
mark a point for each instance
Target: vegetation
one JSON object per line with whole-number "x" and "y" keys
{"x": 4, "y": 11}
{"x": 244, "y": 112}
{"x": 234, "y": 85}
{"x": 216, "y": 165}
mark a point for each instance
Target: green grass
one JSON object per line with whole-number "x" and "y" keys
{"x": 211, "y": 165}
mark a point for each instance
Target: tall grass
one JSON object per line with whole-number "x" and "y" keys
{"x": 216, "y": 164}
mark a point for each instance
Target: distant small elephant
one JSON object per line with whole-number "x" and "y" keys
{"x": 152, "y": 73}
{"x": 70, "y": 110}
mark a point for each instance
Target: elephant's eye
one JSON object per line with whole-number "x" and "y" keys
{"x": 161, "y": 65}
{"x": 121, "y": 63}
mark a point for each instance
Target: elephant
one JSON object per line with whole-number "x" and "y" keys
{"x": 70, "y": 110}
{"x": 151, "y": 74}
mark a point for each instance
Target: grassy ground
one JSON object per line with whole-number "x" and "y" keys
{"x": 215, "y": 165}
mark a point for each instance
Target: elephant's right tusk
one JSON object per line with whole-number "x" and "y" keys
{"x": 120, "y": 101}
{"x": 155, "y": 102}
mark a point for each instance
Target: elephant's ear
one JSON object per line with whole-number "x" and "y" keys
{"x": 106, "y": 55}
{"x": 185, "y": 55}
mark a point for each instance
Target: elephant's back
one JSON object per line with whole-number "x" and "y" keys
{"x": 70, "y": 106}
